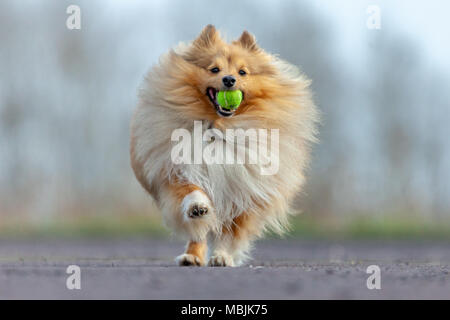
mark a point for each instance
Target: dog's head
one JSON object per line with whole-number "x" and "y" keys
{"x": 220, "y": 66}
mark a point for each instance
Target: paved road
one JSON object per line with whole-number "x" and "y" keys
{"x": 144, "y": 269}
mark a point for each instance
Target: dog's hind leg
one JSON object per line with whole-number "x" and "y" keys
{"x": 194, "y": 255}
{"x": 232, "y": 246}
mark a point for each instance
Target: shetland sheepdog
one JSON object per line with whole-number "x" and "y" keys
{"x": 220, "y": 208}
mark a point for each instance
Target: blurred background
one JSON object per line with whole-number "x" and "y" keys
{"x": 382, "y": 168}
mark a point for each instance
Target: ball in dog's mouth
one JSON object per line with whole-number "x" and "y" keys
{"x": 221, "y": 111}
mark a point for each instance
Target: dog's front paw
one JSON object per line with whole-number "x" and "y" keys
{"x": 221, "y": 260}
{"x": 195, "y": 205}
{"x": 197, "y": 210}
{"x": 187, "y": 260}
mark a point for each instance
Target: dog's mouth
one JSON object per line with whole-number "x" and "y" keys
{"x": 223, "y": 112}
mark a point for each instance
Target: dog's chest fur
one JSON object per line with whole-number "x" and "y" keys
{"x": 234, "y": 187}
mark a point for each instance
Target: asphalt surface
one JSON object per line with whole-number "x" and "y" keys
{"x": 284, "y": 269}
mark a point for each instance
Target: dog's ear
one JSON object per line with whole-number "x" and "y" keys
{"x": 247, "y": 41}
{"x": 207, "y": 38}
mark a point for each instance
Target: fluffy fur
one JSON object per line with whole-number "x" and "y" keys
{"x": 237, "y": 203}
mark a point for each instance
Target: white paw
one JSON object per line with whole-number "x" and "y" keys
{"x": 195, "y": 205}
{"x": 221, "y": 260}
{"x": 187, "y": 259}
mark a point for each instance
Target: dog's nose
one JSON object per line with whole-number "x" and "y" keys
{"x": 229, "y": 81}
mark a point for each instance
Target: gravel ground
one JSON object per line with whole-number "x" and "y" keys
{"x": 282, "y": 269}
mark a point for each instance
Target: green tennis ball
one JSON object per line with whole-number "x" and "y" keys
{"x": 229, "y": 99}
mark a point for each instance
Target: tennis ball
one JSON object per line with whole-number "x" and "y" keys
{"x": 229, "y": 99}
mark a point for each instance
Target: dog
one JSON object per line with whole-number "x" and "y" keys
{"x": 221, "y": 208}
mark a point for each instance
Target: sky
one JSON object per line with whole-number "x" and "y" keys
{"x": 426, "y": 22}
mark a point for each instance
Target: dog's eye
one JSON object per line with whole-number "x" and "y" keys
{"x": 215, "y": 70}
{"x": 242, "y": 72}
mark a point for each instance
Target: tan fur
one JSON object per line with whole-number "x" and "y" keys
{"x": 197, "y": 249}
{"x": 241, "y": 202}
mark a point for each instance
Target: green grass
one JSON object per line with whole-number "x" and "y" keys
{"x": 302, "y": 226}
{"x": 88, "y": 227}
{"x": 395, "y": 227}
